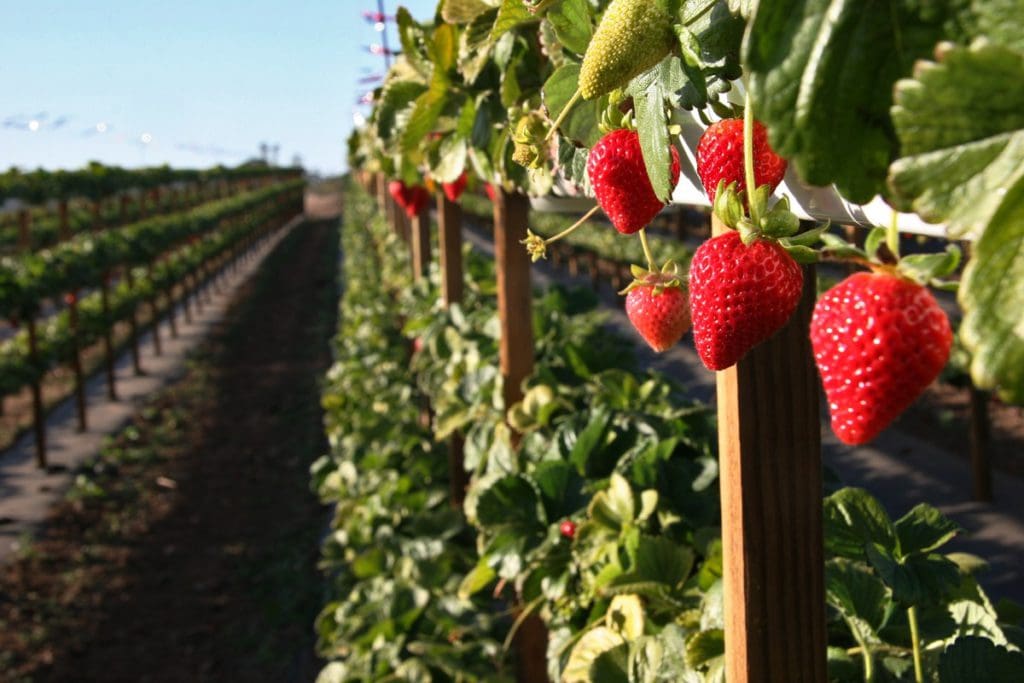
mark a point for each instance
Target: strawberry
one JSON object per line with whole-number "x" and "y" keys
{"x": 71, "y": 298}
{"x": 879, "y": 340}
{"x": 661, "y": 317}
{"x": 412, "y": 199}
{"x": 632, "y": 37}
{"x": 567, "y": 528}
{"x": 490, "y": 191}
{"x": 720, "y": 157}
{"x": 739, "y": 296}
{"x": 619, "y": 178}
{"x": 454, "y": 189}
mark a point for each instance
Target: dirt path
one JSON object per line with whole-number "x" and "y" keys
{"x": 188, "y": 552}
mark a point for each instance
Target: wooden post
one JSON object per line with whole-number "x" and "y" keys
{"x": 419, "y": 243}
{"x": 133, "y": 324}
{"x": 25, "y": 229}
{"x": 76, "y": 362}
{"x": 108, "y": 342}
{"x": 154, "y": 313}
{"x": 980, "y": 465}
{"x": 38, "y": 418}
{"x": 511, "y": 213}
{"x": 97, "y": 215}
{"x": 449, "y": 235}
{"x": 64, "y": 225}
{"x": 769, "y": 443}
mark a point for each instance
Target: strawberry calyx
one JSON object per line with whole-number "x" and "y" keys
{"x": 659, "y": 280}
{"x": 922, "y": 269}
{"x": 776, "y": 223}
{"x": 530, "y": 141}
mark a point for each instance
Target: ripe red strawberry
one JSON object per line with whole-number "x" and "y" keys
{"x": 412, "y": 199}
{"x": 879, "y": 340}
{"x": 454, "y": 190}
{"x": 739, "y": 296}
{"x": 490, "y": 191}
{"x": 567, "y": 528}
{"x": 619, "y": 178}
{"x": 661, "y": 319}
{"x": 720, "y": 157}
{"x": 71, "y": 298}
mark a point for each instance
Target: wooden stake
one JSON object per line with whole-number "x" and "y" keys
{"x": 64, "y": 226}
{"x": 419, "y": 244}
{"x": 25, "y": 230}
{"x": 449, "y": 235}
{"x": 771, "y": 481}
{"x": 108, "y": 342}
{"x": 155, "y": 314}
{"x": 76, "y": 365}
{"x": 981, "y": 466}
{"x": 133, "y": 324}
{"x": 511, "y": 212}
{"x": 38, "y": 418}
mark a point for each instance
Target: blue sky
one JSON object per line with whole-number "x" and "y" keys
{"x": 207, "y": 80}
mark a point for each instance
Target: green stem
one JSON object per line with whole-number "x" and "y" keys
{"x": 892, "y": 236}
{"x": 561, "y": 116}
{"x": 573, "y": 227}
{"x": 647, "y": 249}
{"x": 915, "y": 639}
{"x": 865, "y": 652}
{"x": 748, "y": 155}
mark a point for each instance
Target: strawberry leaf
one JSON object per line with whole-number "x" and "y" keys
{"x": 961, "y": 126}
{"x": 581, "y": 123}
{"x": 649, "y": 91}
{"x": 821, "y": 76}
{"x": 573, "y": 24}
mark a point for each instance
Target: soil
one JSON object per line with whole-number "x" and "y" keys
{"x": 187, "y": 551}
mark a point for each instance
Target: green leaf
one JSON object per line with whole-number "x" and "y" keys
{"x": 396, "y": 96}
{"x": 581, "y": 123}
{"x": 511, "y": 14}
{"x": 510, "y": 501}
{"x": 462, "y": 11}
{"x": 414, "y": 42}
{"x": 853, "y": 520}
{"x": 915, "y": 579}
{"x": 476, "y": 580}
{"x": 711, "y": 51}
{"x": 821, "y": 78}
{"x": 977, "y": 660}
{"x": 660, "y": 559}
{"x": 960, "y": 122}
{"x": 859, "y": 595}
{"x": 592, "y": 645}
{"x": 649, "y": 91}
{"x": 703, "y": 646}
{"x": 924, "y": 529}
{"x": 573, "y": 24}
{"x": 424, "y": 114}
{"x": 590, "y": 439}
{"x": 445, "y": 48}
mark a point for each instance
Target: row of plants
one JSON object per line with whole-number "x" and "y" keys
{"x": 151, "y": 256}
{"x": 592, "y": 503}
{"x": 97, "y": 181}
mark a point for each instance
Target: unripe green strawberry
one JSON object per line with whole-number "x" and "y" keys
{"x": 879, "y": 340}
{"x": 740, "y": 295}
{"x": 633, "y": 36}
{"x": 660, "y": 315}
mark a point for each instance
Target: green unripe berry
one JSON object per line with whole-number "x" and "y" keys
{"x": 632, "y": 37}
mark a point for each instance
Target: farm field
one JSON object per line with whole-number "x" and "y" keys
{"x": 512, "y": 341}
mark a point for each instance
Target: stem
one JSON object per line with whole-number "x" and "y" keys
{"x": 866, "y": 655}
{"x": 915, "y": 640}
{"x": 575, "y": 225}
{"x": 647, "y": 249}
{"x": 892, "y": 236}
{"x": 561, "y": 116}
{"x": 748, "y": 155}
